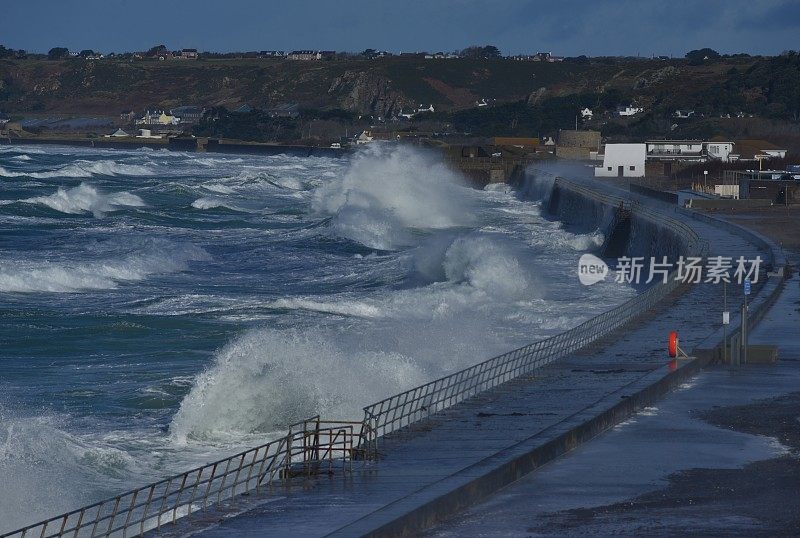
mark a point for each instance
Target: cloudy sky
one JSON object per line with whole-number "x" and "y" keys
{"x": 568, "y": 27}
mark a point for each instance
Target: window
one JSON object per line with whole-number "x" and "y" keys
{"x": 633, "y": 168}
{"x": 609, "y": 168}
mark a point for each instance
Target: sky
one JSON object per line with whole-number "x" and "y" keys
{"x": 564, "y": 27}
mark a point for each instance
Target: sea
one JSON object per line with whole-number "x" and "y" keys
{"x": 159, "y": 310}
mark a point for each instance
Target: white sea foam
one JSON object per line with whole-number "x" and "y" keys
{"x": 209, "y": 202}
{"x": 482, "y": 262}
{"x": 4, "y": 172}
{"x": 155, "y": 257}
{"x": 86, "y": 199}
{"x": 346, "y": 308}
{"x": 18, "y": 149}
{"x": 390, "y": 191}
{"x": 587, "y": 241}
{"x": 219, "y": 188}
{"x": 212, "y": 161}
{"x": 267, "y": 379}
{"x": 85, "y": 169}
{"x": 51, "y": 470}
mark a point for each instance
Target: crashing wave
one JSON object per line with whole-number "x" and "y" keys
{"x": 389, "y": 192}
{"x": 156, "y": 257}
{"x": 86, "y": 199}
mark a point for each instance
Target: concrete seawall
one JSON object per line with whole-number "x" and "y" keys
{"x": 186, "y": 145}
{"x": 650, "y": 234}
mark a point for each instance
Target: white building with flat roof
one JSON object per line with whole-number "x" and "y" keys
{"x": 629, "y": 110}
{"x": 689, "y": 150}
{"x": 622, "y": 160}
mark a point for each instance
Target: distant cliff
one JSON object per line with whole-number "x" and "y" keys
{"x": 520, "y": 97}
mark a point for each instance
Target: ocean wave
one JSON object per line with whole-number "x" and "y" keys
{"x": 388, "y": 192}
{"x": 267, "y": 379}
{"x": 86, "y": 199}
{"x": 486, "y": 264}
{"x": 218, "y": 188}
{"x": 155, "y": 257}
{"x": 345, "y": 308}
{"x": 85, "y": 169}
{"x": 19, "y": 149}
{"x": 213, "y": 202}
{"x": 40, "y": 458}
{"x": 5, "y": 172}
{"x": 212, "y": 161}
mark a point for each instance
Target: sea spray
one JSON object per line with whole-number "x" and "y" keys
{"x": 267, "y": 379}
{"x": 389, "y": 191}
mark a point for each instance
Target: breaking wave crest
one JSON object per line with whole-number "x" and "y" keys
{"x": 216, "y": 202}
{"x": 390, "y": 191}
{"x": 85, "y": 169}
{"x": 267, "y": 379}
{"x": 156, "y": 257}
{"x": 484, "y": 264}
{"x": 86, "y": 199}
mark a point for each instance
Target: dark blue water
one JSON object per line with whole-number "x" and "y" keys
{"x": 158, "y": 310}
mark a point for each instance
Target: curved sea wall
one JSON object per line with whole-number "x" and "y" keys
{"x": 649, "y": 234}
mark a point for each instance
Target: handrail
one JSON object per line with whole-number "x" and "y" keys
{"x": 149, "y": 507}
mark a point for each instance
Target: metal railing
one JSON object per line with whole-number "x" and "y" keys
{"x": 308, "y": 447}
{"x": 420, "y": 402}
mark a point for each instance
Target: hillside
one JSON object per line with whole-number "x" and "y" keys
{"x": 525, "y": 97}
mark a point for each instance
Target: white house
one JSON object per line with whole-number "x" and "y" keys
{"x": 629, "y": 110}
{"x": 587, "y": 113}
{"x": 719, "y": 150}
{"x": 423, "y": 108}
{"x": 622, "y": 160}
{"x": 364, "y": 138}
{"x": 689, "y": 150}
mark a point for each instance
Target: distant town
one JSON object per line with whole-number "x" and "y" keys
{"x": 630, "y": 116}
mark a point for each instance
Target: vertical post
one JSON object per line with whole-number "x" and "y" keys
{"x": 744, "y": 330}
{"x": 724, "y": 325}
